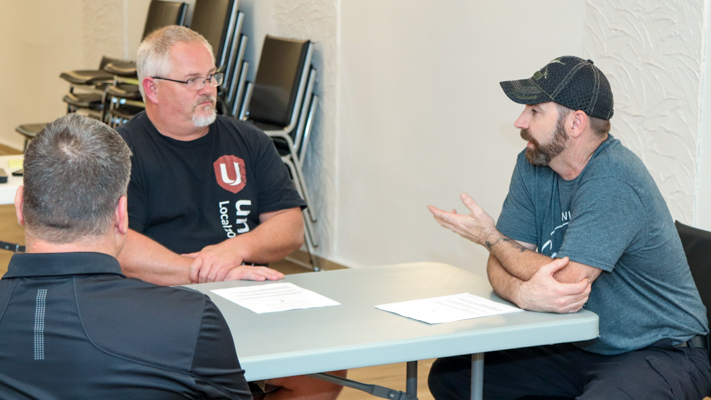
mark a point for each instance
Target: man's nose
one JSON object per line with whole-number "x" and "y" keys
{"x": 522, "y": 121}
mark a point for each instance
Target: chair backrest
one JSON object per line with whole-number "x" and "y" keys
{"x": 215, "y": 20}
{"x": 235, "y": 85}
{"x": 234, "y": 50}
{"x": 280, "y": 81}
{"x": 164, "y": 13}
{"x": 697, "y": 246}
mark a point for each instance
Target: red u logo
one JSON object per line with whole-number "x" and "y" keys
{"x": 230, "y": 173}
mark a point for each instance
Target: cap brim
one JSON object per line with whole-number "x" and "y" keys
{"x": 524, "y": 91}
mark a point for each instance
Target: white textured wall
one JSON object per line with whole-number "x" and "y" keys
{"x": 104, "y": 30}
{"x": 136, "y": 12}
{"x": 316, "y": 20}
{"x": 703, "y": 184}
{"x": 422, "y": 117}
{"x": 652, "y": 52}
{"x": 40, "y": 38}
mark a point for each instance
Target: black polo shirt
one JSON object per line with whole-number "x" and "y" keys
{"x": 72, "y": 326}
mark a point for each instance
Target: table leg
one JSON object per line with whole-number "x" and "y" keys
{"x": 411, "y": 385}
{"x": 375, "y": 390}
{"x": 477, "y": 391}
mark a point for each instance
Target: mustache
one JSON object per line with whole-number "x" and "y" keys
{"x": 205, "y": 98}
{"x": 526, "y": 135}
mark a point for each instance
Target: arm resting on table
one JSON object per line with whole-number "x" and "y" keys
{"x": 146, "y": 259}
{"x": 279, "y": 233}
{"x": 543, "y": 292}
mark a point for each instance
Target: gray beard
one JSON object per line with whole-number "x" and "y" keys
{"x": 202, "y": 120}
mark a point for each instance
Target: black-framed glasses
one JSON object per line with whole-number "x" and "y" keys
{"x": 198, "y": 82}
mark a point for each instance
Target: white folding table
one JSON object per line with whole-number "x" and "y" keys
{"x": 355, "y": 334}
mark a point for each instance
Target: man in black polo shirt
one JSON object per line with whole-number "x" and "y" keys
{"x": 72, "y": 325}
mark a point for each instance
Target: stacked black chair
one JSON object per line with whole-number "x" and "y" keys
{"x": 87, "y": 90}
{"x": 697, "y": 247}
{"x": 282, "y": 103}
{"x": 160, "y": 13}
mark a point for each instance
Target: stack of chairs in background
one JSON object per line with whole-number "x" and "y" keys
{"x": 111, "y": 92}
{"x": 220, "y": 22}
{"x": 281, "y": 101}
{"x": 87, "y": 88}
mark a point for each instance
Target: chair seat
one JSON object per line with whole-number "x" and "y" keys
{"x": 84, "y": 100}
{"x": 282, "y": 146}
{"x": 29, "y": 130}
{"x": 280, "y": 143}
{"x": 86, "y": 77}
{"x": 126, "y": 112}
{"x": 126, "y": 69}
{"x": 124, "y": 91}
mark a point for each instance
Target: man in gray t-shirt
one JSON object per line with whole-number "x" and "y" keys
{"x": 584, "y": 225}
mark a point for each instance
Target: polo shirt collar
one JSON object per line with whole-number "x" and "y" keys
{"x": 52, "y": 264}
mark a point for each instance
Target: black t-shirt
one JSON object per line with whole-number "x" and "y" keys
{"x": 188, "y": 195}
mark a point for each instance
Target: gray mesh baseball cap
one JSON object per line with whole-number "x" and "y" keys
{"x": 569, "y": 81}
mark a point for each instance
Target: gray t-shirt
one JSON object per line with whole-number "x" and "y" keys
{"x": 611, "y": 217}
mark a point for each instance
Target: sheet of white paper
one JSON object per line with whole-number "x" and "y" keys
{"x": 455, "y": 307}
{"x": 274, "y": 297}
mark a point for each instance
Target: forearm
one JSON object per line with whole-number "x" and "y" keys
{"x": 518, "y": 260}
{"x": 504, "y": 284}
{"x": 522, "y": 262}
{"x": 146, "y": 259}
{"x": 274, "y": 239}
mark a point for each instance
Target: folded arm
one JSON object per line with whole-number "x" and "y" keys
{"x": 513, "y": 264}
{"x": 542, "y": 292}
{"x": 278, "y": 234}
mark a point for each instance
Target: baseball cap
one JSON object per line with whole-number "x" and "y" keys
{"x": 569, "y": 81}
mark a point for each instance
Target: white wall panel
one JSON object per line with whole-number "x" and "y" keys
{"x": 652, "y": 51}
{"x": 422, "y": 117}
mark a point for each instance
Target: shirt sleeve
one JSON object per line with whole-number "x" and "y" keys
{"x": 215, "y": 365}
{"x": 607, "y": 219}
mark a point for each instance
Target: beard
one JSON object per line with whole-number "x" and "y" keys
{"x": 207, "y": 115}
{"x": 541, "y": 154}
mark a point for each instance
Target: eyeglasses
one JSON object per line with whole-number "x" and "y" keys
{"x": 199, "y": 82}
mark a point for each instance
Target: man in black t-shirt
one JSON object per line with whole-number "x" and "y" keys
{"x": 208, "y": 193}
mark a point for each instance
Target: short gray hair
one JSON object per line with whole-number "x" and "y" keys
{"x": 75, "y": 172}
{"x": 153, "y": 57}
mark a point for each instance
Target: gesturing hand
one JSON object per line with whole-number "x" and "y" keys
{"x": 544, "y": 293}
{"x": 477, "y": 226}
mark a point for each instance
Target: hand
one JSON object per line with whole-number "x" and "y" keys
{"x": 221, "y": 262}
{"x": 253, "y": 274}
{"x": 544, "y": 293}
{"x": 478, "y": 226}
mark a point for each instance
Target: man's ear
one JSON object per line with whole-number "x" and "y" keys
{"x": 19, "y": 202}
{"x": 579, "y": 123}
{"x": 150, "y": 89}
{"x": 121, "y": 216}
